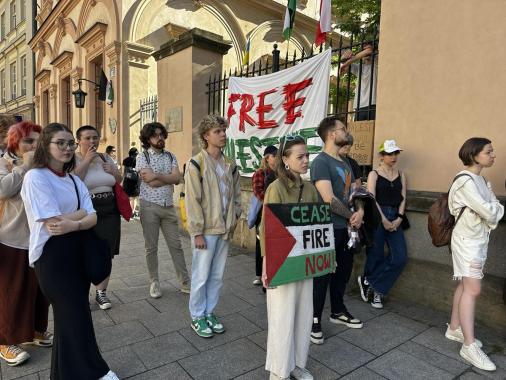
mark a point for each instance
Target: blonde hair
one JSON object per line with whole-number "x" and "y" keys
{"x": 207, "y": 123}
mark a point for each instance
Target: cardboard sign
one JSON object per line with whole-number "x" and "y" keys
{"x": 299, "y": 242}
{"x": 363, "y": 133}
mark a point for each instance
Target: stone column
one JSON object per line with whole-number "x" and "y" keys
{"x": 184, "y": 66}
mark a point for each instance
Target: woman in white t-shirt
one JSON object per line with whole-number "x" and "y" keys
{"x": 100, "y": 173}
{"x": 477, "y": 211}
{"x": 51, "y": 204}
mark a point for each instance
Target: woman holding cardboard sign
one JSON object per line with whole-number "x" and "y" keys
{"x": 289, "y": 307}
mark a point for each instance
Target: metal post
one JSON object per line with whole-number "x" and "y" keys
{"x": 275, "y": 59}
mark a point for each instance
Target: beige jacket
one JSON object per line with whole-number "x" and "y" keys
{"x": 14, "y": 231}
{"x": 203, "y": 199}
{"x": 483, "y": 211}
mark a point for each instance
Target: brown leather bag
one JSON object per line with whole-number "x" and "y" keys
{"x": 440, "y": 221}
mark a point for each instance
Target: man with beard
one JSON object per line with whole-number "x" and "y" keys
{"x": 159, "y": 172}
{"x": 333, "y": 178}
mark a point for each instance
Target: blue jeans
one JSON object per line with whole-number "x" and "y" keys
{"x": 208, "y": 266}
{"x": 382, "y": 271}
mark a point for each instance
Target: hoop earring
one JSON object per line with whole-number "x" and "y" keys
{"x": 287, "y": 167}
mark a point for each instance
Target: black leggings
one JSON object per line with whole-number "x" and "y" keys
{"x": 60, "y": 271}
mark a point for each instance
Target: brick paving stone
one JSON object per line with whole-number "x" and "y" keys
{"x": 164, "y": 323}
{"x": 231, "y": 304}
{"x": 257, "y": 374}
{"x": 383, "y": 333}
{"x": 435, "y": 339}
{"x": 236, "y": 327}
{"x": 163, "y": 349}
{"x": 225, "y": 362}
{"x": 363, "y": 373}
{"x": 132, "y": 311}
{"x": 397, "y": 364}
{"x": 339, "y": 355}
{"x": 169, "y": 371}
{"x": 441, "y": 361}
{"x": 124, "y": 362}
{"x": 257, "y": 315}
{"x": 110, "y": 338}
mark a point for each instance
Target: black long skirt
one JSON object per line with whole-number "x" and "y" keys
{"x": 60, "y": 271}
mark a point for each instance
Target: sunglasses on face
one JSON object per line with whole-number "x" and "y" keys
{"x": 289, "y": 138}
{"x": 393, "y": 153}
{"x": 62, "y": 144}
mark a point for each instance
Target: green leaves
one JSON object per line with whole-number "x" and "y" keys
{"x": 358, "y": 16}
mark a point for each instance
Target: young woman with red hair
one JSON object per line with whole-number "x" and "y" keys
{"x": 23, "y": 308}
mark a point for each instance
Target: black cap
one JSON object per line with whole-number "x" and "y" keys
{"x": 271, "y": 149}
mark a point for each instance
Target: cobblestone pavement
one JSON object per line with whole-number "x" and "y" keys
{"x": 144, "y": 338}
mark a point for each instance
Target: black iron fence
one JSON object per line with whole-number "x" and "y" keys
{"x": 352, "y": 92}
{"x": 346, "y": 88}
{"x": 149, "y": 109}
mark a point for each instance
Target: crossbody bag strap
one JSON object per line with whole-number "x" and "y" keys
{"x": 77, "y": 192}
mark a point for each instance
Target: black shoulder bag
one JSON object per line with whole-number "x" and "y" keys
{"x": 97, "y": 255}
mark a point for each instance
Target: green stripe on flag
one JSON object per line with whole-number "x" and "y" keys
{"x": 291, "y": 8}
{"x": 304, "y": 267}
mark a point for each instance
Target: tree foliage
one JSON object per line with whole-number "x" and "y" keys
{"x": 357, "y": 16}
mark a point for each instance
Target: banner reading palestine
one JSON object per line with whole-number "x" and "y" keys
{"x": 299, "y": 242}
{"x": 263, "y": 109}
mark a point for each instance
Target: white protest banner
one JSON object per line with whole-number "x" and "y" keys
{"x": 263, "y": 109}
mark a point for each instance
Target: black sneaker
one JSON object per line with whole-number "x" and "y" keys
{"x": 364, "y": 288}
{"x": 316, "y": 332}
{"x": 345, "y": 318}
{"x": 103, "y": 301}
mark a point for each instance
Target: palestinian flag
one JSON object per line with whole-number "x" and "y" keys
{"x": 299, "y": 242}
{"x": 291, "y": 8}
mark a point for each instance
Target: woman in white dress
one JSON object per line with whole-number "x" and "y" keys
{"x": 472, "y": 198}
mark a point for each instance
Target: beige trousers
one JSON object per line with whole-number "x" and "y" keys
{"x": 153, "y": 218}
{"x": 290, "y": 318}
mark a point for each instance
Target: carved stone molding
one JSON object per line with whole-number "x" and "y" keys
{"x": 45, "y": 10}
{"x": 43, "y": 79}
{"x": 36, "y": 101}
{"x": 113, "y": 53}
{"x": 174, "y": 31}
{"x": 52, "y": 91}
{"x": 137, "y": 54}
{"x": 63, "y": 62}
{"x": 93, "y": 39}
{"x": 75, "y": 75}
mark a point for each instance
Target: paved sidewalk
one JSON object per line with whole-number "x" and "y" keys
{"x": 143, "y": 338}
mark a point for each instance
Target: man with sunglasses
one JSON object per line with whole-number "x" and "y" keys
{"x": 333, "y": 178}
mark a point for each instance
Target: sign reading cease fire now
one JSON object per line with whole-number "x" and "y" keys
{"x": 299, "y": 242}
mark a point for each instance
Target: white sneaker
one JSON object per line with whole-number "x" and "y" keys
{"x": 457, "y": 336}
{"x": 154, "y": 290}
{"x": 109, "y": 376}
{"x": 474, "y": 355}
{"x": 273, "y": 376}
{"x": 257, "y": 281}
{"x": 301, "y": 374}
{"x": 13, "y": 355}
{"x": 377, "y": 302}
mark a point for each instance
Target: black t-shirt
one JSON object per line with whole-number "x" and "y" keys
{"x": 129, "y": 162}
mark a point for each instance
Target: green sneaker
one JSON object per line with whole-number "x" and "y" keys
{"x": 200, "y": 326}
{"x": 214, "y": 324}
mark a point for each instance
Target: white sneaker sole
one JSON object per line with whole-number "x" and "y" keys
{"x": 104, "y": 306}
{"x": 362, "y": 294}
{"x": 13, "y": 363}
{"x": 377, "y": 305}
{"x": 477, "y": 365}
{"x": 347, "y": 324}
{"x": 317, "y": 341}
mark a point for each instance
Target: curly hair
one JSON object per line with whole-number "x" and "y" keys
{"x": 19, "y": 131}
{"x": 149, "y": 130}
{"x": 207, "y": 123}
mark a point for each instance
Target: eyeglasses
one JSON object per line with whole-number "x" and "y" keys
{"x": 62, "y": 144}
{"x": 290, "y": 138}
